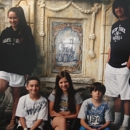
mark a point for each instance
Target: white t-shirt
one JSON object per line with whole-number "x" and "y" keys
{"x": 32, "y": 110}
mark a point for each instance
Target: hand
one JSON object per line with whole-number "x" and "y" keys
{"x": 65, "y": 113}
{"x": 58, "y": 114}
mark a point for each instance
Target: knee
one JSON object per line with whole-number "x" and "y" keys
{"x": 62, "y": 121}
{"x": 82, "y": 128}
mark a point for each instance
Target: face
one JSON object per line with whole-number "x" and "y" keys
{"x": 13, "y": 19}
{"x": 63, "y": 84}
{"x": 33, "y": 87}
{"x": 97, "y": 95}
{"x": 120, "y": 12}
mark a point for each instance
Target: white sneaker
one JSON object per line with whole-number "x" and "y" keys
{"x": 123, "y": 128}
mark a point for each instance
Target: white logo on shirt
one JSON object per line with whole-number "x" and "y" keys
{"x": 117, "y": 33}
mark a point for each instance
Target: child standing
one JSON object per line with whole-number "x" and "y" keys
{"x": 95, "y": 113}
{"x": 17, "y": 56}
{"x": 32, "y": 108}
{"x": 64, "y": 103}
{"x": 117, "y": 72}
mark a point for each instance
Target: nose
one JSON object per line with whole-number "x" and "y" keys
{"x": 12, "y": 20}
{"x": 34, "y": 87}
{"x": 63, "y": 83}
{"x": 97, "y": 92}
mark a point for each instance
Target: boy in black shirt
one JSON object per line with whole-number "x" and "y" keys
{"x": 117, "y": 69}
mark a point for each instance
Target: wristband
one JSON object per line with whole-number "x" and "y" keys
{"x": 25, "y": 129}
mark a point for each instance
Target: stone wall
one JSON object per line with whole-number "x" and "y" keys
{"x": 79, "y": 28}
{"x": 71, "y": 35}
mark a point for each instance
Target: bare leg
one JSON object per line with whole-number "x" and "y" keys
{"x": 3, "y": 85}
{"x": 127, "y": 107}
{"x": 117, "y": 104}
{"x": 59, "y": 123}
{"x": 16, "y": 96}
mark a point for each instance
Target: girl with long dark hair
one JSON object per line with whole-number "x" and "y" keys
{"x": 64, "y": 102}
{"x": 17, "y": 56}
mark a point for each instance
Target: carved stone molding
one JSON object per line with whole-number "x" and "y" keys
{"x": 92, "y": 11}
{"x": 41, "y": 3}
{"x": 59, "y": 8}
{"x": 1, "y": 3}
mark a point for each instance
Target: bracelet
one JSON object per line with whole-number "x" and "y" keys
{"x": 25, "y": 129}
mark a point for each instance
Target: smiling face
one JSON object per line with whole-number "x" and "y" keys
{"x": 64, "y": 84}
{"x": 33, "y": 87}
{"x": 119, "y": 11}
{"x": 13, "y": 19}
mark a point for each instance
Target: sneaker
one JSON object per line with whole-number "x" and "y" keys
{"x": 122, "y": 128}
{"x": 114, "y": 126}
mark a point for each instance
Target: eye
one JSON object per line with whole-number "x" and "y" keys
{"x": 66, "y": 81}
{"x": 60, "y": 82}
{"x": 31, "y": 85}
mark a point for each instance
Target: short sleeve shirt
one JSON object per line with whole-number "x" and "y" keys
{"x": 95, "y": 116}
{"x": 64, "y": 100}
{"x": 32, "y": 110}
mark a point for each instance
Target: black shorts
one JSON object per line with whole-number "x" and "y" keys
{"x": 21, "y": 128}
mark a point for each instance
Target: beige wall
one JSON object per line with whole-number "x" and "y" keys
{"x": 95, "y": 19}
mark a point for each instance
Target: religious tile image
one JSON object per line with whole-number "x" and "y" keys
{"x": 67, "y": 46}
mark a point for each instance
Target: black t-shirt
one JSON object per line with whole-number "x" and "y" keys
{"x": 120, "y": 43}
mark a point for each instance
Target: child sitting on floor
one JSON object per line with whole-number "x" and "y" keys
{"x": 95, "y": 113}
{"x": 32, "y": 108}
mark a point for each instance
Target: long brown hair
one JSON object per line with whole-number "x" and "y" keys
{"x": 23, "y": 28}
{"x": 70, "y": 90}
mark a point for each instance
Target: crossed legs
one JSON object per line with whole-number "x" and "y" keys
{"x": 60, "y": 123}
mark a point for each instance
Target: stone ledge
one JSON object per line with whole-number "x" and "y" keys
{"x": 77, "y": 82}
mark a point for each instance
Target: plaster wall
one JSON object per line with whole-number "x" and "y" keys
{"x": 95, "y": 18}
{"x": 91, "y": 22}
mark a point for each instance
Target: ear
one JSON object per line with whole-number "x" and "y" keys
{"x": 26, "y": 87}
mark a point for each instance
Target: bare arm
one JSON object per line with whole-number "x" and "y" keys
{"x": 72, "y": 115}
{"x": 36, "y": 124}
{"x": 23, "y": 122}
{"x": 85, "y": 125}
{"x": 51, "y": 111}
{"x": 128, "y": 63}
{"x": 104, "y": 126}
{"x": 109, "y": 52}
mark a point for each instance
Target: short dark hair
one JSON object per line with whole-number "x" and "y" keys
{"x": 121, "y": 3}
{"x": 97, "y": 86}
{"x": 33, "y": 78}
